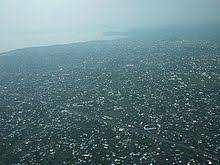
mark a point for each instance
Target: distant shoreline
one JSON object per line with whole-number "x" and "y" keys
{"x": 106, "y": 36}
{"x": 23, "y": 41}
{"x": 5, "y": 53}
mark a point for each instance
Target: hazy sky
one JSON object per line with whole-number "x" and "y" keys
{"x": 32, "y": 22}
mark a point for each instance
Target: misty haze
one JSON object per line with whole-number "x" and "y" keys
{"x": 109, "y": 82}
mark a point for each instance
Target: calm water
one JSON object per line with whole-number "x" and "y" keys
{"x": 16, "y": 40}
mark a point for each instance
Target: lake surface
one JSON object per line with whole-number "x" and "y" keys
{"x": 17, "y": 40}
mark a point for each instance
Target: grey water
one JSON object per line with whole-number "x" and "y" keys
{"x": 40, "y": 37}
